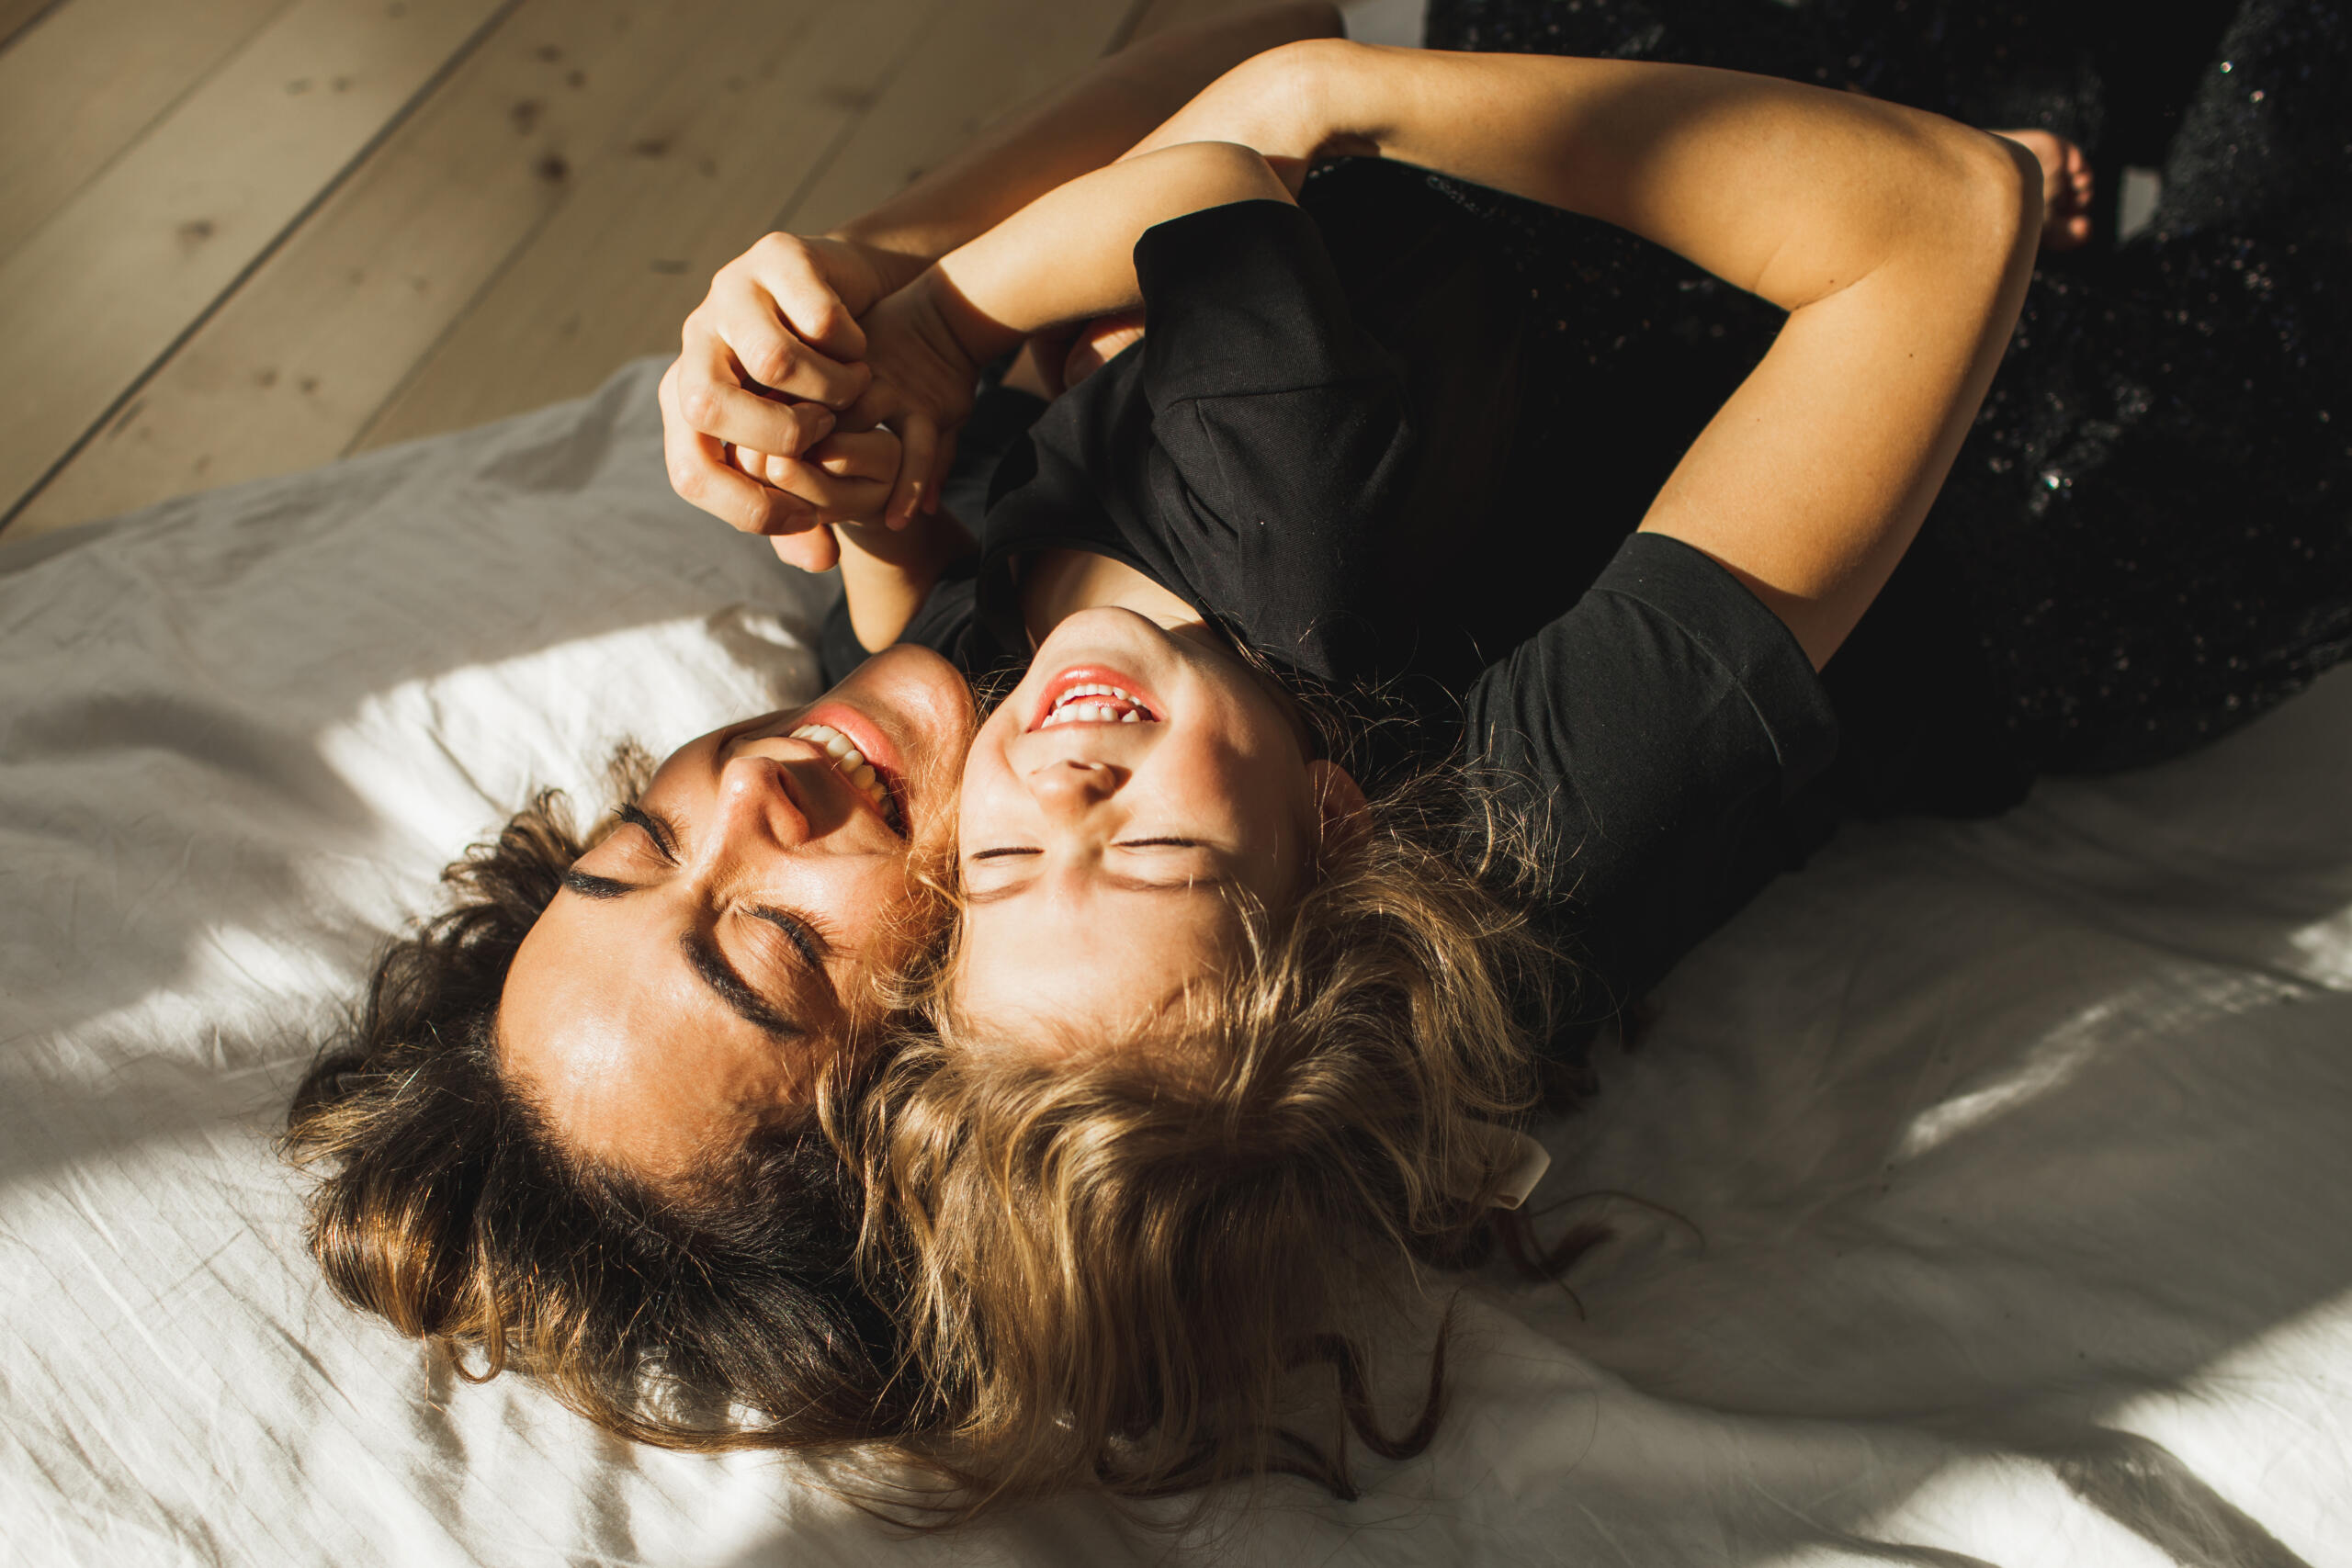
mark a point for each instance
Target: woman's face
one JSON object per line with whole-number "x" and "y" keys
{"x": 692, "y": 975}
{"x": 1113, "y": 807}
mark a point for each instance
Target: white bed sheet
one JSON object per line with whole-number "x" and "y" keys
{"x": 2015, "y": 1155}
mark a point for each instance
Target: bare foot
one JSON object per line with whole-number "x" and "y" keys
{"x": 2067, "y": 187}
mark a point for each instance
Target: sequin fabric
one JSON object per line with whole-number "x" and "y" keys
{"x": 2146, "y": 540}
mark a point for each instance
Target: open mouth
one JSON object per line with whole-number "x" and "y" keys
{"x": 1093, "y": 696}
{"x": 850, "y": 764}
{"x": 1095, "y": 704}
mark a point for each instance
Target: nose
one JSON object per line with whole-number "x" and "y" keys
{"x": 754, "y": 806}
{"x": 1069, "y": 788}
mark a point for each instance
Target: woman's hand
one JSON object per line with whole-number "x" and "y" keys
{"x": 895, "y": 443}
{"x": 764, "y": 359}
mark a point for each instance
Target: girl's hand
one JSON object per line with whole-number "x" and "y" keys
{"x": 835, "y": 488}
{"x": 764, "y": 359}
{"x": 922, "y": 388}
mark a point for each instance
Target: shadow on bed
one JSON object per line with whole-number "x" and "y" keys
{"x": 240, "y": 732}
{"x": 2017, "y": 1150}
{"x": 2019, "y": 1160}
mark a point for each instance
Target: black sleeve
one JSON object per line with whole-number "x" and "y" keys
{"x": 1281, "y": 436}
{"x": 1661, "y": 735}
{"x": 944, "y": 625}
{"x": 1242, "y": 300}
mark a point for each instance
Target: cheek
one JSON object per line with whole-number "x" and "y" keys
{"x": 868, "y": 902}
{"x": 986, "y": 781}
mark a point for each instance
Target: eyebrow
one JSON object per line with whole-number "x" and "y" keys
{"x": 709, "y": 964}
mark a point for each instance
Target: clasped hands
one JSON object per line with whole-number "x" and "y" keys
{"x": 810, "y": 395}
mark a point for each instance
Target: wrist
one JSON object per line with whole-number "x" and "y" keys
{"x": 890, "y": 259}
{"x": 948, "y": 317}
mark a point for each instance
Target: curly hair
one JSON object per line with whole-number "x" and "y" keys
{"x": 1122, "y": 1261}
{"x": 727, "y": 1315}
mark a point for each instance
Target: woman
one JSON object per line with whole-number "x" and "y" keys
{"x": 1077, "y": 1041}
{"x": 577, "y": 1126}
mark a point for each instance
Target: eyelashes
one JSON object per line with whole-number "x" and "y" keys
{"x": 654, "y": 827}
{"x": 1004, "y": 851}
{"x": 806, "y": 938}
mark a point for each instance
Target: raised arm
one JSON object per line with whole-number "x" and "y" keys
{"x": 1900, "y": 244}
{"x": 1067, "y": 257}
{"x": 782, "y": 317}
{"x": 1117, "y": 102}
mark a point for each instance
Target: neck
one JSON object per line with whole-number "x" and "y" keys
{"x": 1057, "y": 583}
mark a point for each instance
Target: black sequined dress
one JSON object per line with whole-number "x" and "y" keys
{"x": 2146, "y": 540}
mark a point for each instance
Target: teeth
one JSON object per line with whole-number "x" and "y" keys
{"x": 850, "y": 764}
{"x": 1071, "y": 707}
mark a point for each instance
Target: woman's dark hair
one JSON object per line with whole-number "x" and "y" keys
{"x": 727, "y": 1315}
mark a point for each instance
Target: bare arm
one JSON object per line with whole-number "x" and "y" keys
{"x": 1067, "y": 257}
{"x": 1089, "y": 123}
{"x": 781, "y": 318}
{"x": 1899, "y": 242}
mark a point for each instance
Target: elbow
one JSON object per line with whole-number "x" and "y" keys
{"x": 2004, "y": 203}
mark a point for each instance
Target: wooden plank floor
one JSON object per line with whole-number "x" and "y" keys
{"x": 240, "y": 237}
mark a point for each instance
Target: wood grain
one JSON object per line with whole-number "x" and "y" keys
{"x": 612, "y": 274}
{"x": 81, "y": 85}
{"x": 16, "y": 15}
{"x": 103, "y": 290}
{"x": 1158, "y": 16}
{"x": 290, "y": 368}
{"x": 978, "y": 63}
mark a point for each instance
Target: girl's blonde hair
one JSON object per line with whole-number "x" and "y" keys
{"x": 1118, "y": 1260}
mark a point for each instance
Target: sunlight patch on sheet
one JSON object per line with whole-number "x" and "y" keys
{"x": 2059, "y": 1057}
{"x": 476, "y": 764}
{"x": 2324, "y": 948}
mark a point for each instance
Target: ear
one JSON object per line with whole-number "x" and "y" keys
{"x": 1343, "y": 817}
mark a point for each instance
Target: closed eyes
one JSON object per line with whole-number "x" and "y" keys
{"x": 1003, "y": 850}
{"x": 805, "y": 939}
{"x": 664, "y": 837}
{"x": 809, "y": 943}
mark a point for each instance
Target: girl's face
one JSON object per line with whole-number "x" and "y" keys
{"x": 692, "y": 975}
{"x": 1135, "y": 783}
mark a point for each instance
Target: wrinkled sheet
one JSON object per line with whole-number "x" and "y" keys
{"x": 1983, "y": 1193}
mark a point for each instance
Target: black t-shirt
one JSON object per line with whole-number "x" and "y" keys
{"x": 1262, "y": 455}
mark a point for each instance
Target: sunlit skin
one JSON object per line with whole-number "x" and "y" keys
{"x": 754, "y": 847}
{"x": 1104, "y": 864}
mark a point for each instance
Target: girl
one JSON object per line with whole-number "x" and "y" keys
{"x": 576, "y": 1126}
{"x": 1208, "y": 1021}
{"x": 1211, "y": 1022}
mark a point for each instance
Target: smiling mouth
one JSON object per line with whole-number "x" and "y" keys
{"x": 1095, "y": 702}
{"x": 850, "y": 764}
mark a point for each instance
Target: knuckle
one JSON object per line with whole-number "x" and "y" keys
{"x": 773, "y": 363}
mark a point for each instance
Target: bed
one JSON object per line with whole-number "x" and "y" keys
{"x": 1983, "y": 1194}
